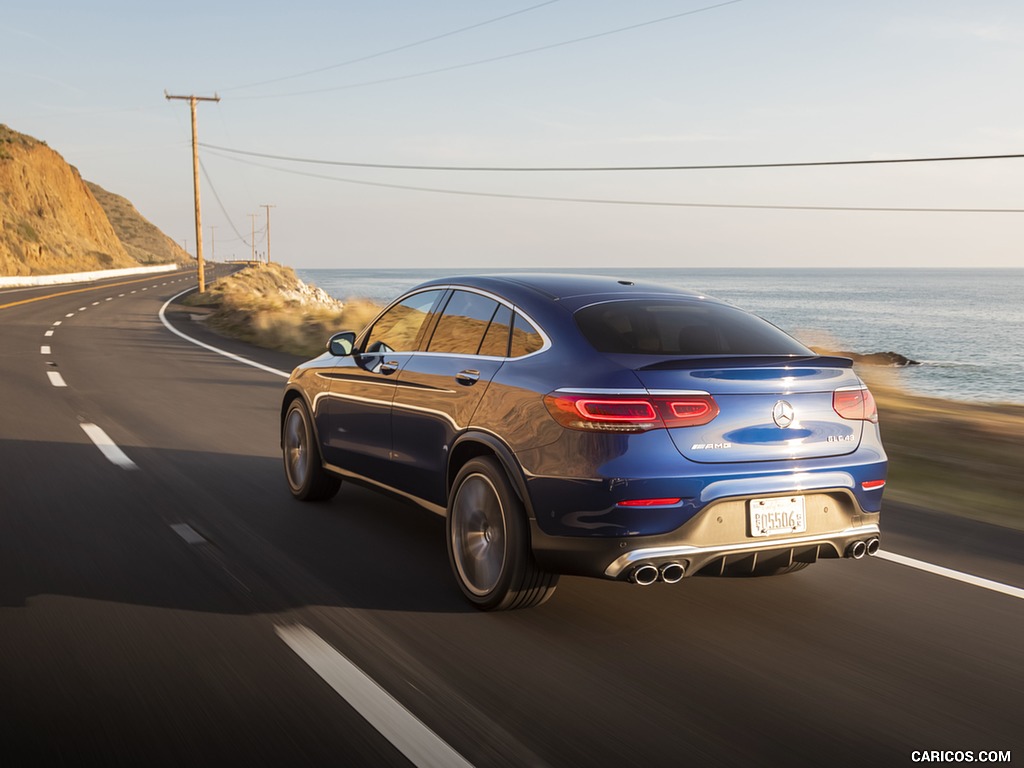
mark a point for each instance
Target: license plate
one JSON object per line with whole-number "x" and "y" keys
{"x": 781, "y": 514}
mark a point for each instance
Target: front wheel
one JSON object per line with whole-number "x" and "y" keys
{"x": 489, "y": 543}
{"x": 307, "y": 479}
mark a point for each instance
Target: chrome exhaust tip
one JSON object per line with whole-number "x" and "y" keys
{"x": 644, "y": 574}
{"x": 672, "y": 573}
{"x": 873, "y": 546}
{"x": 857, "y": 550}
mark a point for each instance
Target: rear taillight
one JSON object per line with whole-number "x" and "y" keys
{"x": 630, "y": 414}
{"x": 855, "y": 404}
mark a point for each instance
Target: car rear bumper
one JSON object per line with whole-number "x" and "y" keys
{"x": 718, "y": 540}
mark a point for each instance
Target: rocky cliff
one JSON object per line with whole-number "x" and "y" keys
{"x": 52, "y": 223}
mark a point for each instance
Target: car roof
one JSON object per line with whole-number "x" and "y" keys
{"x": 573, "y": 290}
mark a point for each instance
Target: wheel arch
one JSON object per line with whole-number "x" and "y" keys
{"x": 472, "y": 444}
{"x": 291, "y": 395}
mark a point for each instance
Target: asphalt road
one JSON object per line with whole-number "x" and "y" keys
{"x": 171, "y": 604}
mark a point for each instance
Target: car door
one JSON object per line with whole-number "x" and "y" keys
{"x": 355, "y": 424}
{"x": 439, "y": 389}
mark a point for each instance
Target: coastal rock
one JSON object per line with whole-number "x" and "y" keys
{"x": 885, "y": 359}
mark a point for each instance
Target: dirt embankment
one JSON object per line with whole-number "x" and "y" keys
{"x": 959, "y": 458}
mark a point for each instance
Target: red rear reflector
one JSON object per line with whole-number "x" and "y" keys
{"x": 871, "y": 485}
{"x": 648, "y": 502}
{"x": 855, "y": 404}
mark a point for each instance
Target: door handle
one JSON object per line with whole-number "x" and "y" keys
{"x": 467, "y": 377}
{"x": 389, "y": 367}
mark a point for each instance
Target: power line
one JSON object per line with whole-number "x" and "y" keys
{"x": 394, "y": 50}
{"x": 640, "y": 203}
{"x": 565, "y": 169}
{"x": 492, "y": 59}
{"x": 220, "y": 203}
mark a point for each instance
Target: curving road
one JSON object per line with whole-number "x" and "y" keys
{"x": 164, "y": 601}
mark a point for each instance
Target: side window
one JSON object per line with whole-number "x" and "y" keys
{"x": 525, "y": 338}
{"x": 495, "y": 343}
{"x": 398, "y": 329}
{"x": 463, "y": 323}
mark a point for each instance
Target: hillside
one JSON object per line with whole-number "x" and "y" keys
{"x": 52, "y": 223}
{"x": 143, "y": 241}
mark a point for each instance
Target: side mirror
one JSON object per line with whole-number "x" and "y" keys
{"x": 342, "y": 344}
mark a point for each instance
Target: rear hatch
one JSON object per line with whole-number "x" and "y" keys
{"x": 770, "y": 408}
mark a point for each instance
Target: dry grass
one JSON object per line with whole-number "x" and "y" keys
{"x": 270, "y": 307}
{"x": 965, "y": 459}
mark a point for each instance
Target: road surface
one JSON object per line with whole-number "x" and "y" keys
{"x": 164, "y": 601}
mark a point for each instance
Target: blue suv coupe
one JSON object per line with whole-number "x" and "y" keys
{"x": 592, "y": 426}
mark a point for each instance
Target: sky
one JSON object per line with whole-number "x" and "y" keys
{"x": 527, "y": 83}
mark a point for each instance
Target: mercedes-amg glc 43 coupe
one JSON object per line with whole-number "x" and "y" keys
{"x": 567, "y": 424}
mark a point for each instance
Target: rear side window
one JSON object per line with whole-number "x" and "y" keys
{"x": 640, "y": 327}
{"x": 495, "y": 343}
{"x": 463, "y": 324}
{"x": 525, "y": 338}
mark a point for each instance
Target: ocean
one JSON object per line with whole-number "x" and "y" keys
{"x": 964, "y": 326}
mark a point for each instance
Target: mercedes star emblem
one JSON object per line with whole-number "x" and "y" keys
{"x": 783, "y": 414}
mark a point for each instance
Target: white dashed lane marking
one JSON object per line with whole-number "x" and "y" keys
{"x": 44, "y": 350}
{"x": 188, "y": 533}
{"x": 48, "y": 333}
{"x": 398, "y": 725}
{"x": 108, "y": 447}
{"x": 56, "y": 379}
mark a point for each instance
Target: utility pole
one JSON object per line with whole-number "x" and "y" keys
{"x": 252, "y": 239}
{"x": 268, "y": 207}
{"x": 195, "y": 180}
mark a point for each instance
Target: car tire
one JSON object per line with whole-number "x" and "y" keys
{"x": 489, "y": 542}
{"x": 303, "y": 468}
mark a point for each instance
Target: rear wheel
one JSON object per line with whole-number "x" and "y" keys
{"x": 307, "y": 479}
{"x": 489, "y": 543}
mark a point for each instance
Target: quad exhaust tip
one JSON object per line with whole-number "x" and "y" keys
{"x": 645, "y": 574}
{"x": 672, "y": 573}
{"x": 858, "y": 549}
{"x": 648, "y": 573}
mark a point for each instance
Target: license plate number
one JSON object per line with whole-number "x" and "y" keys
{"x": 781, "y": 514}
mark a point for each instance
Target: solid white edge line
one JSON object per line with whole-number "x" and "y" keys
{"x": 949, "y": 573}
{"x": 236, "y": 358}
{"x": 107, "y": 446}
{"x": 398, "y": 725}
{"x": 56, "y": 379}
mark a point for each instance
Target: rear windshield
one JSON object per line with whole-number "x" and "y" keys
{"x": 644, "y": 327}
